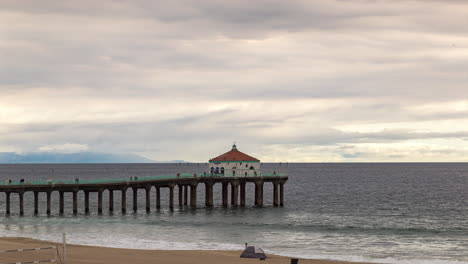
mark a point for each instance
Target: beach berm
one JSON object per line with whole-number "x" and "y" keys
{"x": 78, "y": 254}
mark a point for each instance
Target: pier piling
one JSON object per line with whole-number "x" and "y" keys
{"x": 86, "y": 202}
{"x": 242, "y": 193}
{"x": 7, "y": 203}
{"x": 158, "y": 197}
{"x": 259, "y": 193}
{"x": 148, "y": 198}
{"x": 75, "y": 202}
{"x": 225, "y": 193}
{"x": 61, "y": 202}
{"x": 111, "y": 200}
{"x": 100, "y": 201}
{"x": 193, "y": 195}
{"x": 36, "y": 203}
{"x": 49, "y": 194}
{"x": 275, "y": 194}
{"x": 281, "y": 193}
{"x": 234, "y": 193}
{"x": 21, "y": 202}
{"x": 123, "y": 200}
{"x": 185, "y": 194}
{"x": 135, "y": 199}
{"x": 180, "y": 193}
{"x": 209, "y": 194}
{"x": 171, "y": 196}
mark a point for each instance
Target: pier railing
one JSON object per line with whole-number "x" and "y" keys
{"x": 131, "y": 179}
{"x": 98, "y": 181}
{"x": 267, "y": 174}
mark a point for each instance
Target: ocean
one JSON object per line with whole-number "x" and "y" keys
{"x": 373, "y": 212}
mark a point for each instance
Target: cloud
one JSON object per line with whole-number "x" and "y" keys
{"x": 184, "y": 79}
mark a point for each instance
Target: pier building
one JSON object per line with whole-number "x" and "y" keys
{"x": 234, "y": 163}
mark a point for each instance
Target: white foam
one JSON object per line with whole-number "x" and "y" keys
{"x": 120, "y": 241}
{"x": 147, "y": 239}
{"x": 351, "y": 258}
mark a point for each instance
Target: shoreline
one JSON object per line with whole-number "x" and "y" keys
{"x": 84, "y": 254}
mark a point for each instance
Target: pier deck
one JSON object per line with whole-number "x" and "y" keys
{"x": 185, "y": 182}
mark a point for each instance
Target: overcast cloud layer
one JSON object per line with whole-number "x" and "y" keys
{"x": 288, "y": 80}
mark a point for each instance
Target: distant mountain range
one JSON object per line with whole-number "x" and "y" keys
{"x": 80, "y": 157}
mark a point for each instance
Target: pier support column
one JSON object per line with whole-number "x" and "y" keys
{"x": 225, "y": 193}
{"x": 171, "y": 196}
{"x": 21, "y": 203}
{"x": 135, "y": 199}
{"x": 111, "y": 200}
{"x": 234, "y": 193}
{"x": 75, "y": 202}
{"x": 36, "y": 202}
{"x": 180, "y": 193}
{"x": 61, "y": 202}
{"x": 275, "y": 194}
{"x": 185, "y": 194}
{"x": 209, "y": 194}
{"x": 100, "y": 201}
{"x": 281, "y": 203}
{"x": 86, "y": 202}
{"x": 7, "y": 209}
{"x": 242, "y": 193}
{"x": 256, "y": 195}
{"x": 259, "y": 193}
{"x": 193, "y": 195}
{"x": 148, "y": 198}
{"x": 49, "y": 194}
{"x": 158, "y": 197}
{"x": 123, "y": 201}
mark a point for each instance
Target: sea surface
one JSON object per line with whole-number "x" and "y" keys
{"x": 379, "y": 212}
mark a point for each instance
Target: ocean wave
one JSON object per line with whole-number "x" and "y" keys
{"x": 339, "y": 228}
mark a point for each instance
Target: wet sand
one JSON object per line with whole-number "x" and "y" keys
{"x": 78, "y": 254}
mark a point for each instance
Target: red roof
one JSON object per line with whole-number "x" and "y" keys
{"x": 234, "y": 155}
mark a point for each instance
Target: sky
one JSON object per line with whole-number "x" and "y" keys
{"x": 291, "y": 81}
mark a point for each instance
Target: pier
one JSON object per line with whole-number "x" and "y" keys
{"x": 185, "y": 183}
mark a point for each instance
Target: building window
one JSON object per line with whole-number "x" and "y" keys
{"x": 212, "y": 170}
{"x": 222, "y": 170}
{"x": 251, "y": 167}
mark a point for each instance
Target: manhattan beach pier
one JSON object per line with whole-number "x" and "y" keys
{"x": 233, "y": 170}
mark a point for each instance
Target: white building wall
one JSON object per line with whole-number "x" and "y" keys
{"x": 239, "y": 169}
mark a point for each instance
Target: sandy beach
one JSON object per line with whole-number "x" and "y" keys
{"x": 78, "y": 254}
